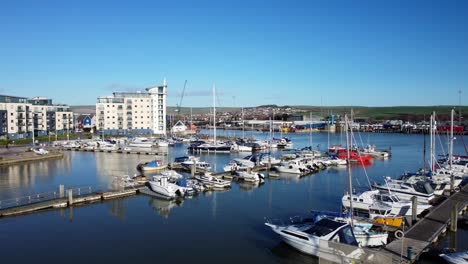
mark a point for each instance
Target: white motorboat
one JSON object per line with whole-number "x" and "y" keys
{"x": 295, "y": 166}
{"x": 455, "y": 257}
{"x": 203, "y": 165}
{"x": 162, "y": 186}
{"x": 41, "y": 151}
{"x": 141, "y": 142}
{"x": 309, "y": 237}
{"x": 363, "y": 202}
{"x": 240, "y": 148}
{"x": 370, "y": 150}
{"x": 171, "y": 174}
{"x": 211, "y": 181}
{"x": 365, "y": 235}
{"x": 405, "y": 190}
{"x": 250, "y": 176}
{"x": 154, "y": 165}
{"x": 162, "y": 143}
{"x": 107, "y": 146}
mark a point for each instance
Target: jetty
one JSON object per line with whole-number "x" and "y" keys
{"x": 420, "y": 236}
{"x": 61, "y": 198}
{"x": 137, "y": 151}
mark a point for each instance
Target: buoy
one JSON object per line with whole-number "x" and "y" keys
{"x": 399, "y": 234}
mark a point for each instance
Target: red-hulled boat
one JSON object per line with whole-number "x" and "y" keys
{"x": 361, "y": 158}
{"x": 336, "y": 149}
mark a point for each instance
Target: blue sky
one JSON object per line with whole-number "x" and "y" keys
{"x": 371, "y": 53}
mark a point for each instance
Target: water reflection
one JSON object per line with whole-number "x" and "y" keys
{"x": 163, "y": 206}
{"x": 249, "y": 186}
{"x": 289, "y": 255}
{"x": 117, "y": 208}
{"x": 17, "y": 180}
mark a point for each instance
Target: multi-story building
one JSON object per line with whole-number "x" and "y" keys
{"x": 133, "y": 113}
{"x": 20, "y": 116}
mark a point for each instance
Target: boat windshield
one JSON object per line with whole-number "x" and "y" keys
{"x": 323, "y": 227}
{"x": 345, "y": 236}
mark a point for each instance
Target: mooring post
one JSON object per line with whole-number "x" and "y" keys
{"x": 414, "y": 208}
{"x": 454, "y": 217}
{"x": 61, "y": 190}
{"x": 193, "y": 169}
{"x": 269, "y": 162}
{"x": 249, "y": 170}
{"x": 70, "y": 196}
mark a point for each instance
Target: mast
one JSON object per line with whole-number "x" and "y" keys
{"x": 350, "y": 175}
{"x": 214, "y": 114}
{"x": 431, "y": 131}
{"x": 452, "y": 187}
{"x": 310, "y": 130}
{"x": 243, "y": 125}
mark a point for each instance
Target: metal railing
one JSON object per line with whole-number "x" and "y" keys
{"x": 43, "y": 197}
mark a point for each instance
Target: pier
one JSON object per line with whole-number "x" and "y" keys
{"x": 61, "y": 198}
{"x": 138, "y": 152}
{"x": 426, "y": 231}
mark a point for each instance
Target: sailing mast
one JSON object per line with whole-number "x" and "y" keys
{"x": 350, "y": 175}
{"x": 243, "y": 125}
{"x": 310, "y": 131}
{"x": 452, "y": 180}
{"x": 214, "y": 114}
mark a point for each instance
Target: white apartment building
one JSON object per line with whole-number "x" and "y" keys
{"x": 137, "y": 113}
{"x": 20, "y": 116}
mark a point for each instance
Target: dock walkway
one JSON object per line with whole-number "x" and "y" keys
{"x": 427, "y": 230}
{"x": 138, "y": 152}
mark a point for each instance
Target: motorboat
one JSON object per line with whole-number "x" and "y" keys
{"x": 171, "y": 174}
{"x": 241, "y": 147}
{"x": 235, "y": 165}
{"x": 295, "y": 166}
{"x": 308, "y": 237}
{"x": 154, "y": 165}
{"x": 208, "y": 147}
{"x": 141, "y": 142}
{"x": 405, "y": 190}
{"x": 370, "y": 150}
{"x": 364, "y": 231}
{"x": 41, "y": 151}
{"x": 363, "y": 201}
{"x": 455, "y": 257}
{"x": 195, "y": 185}
{"x": 211, "y": 181}
{"x": 354, "y": 156}
{"x": 203, "y": 165}
{"x": 162, "y": 186}
{"x": 250, "y": 176}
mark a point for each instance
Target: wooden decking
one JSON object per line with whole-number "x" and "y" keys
{"x": 427, "y": 230}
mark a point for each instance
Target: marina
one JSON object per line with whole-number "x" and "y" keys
{"x": 266, "y": 198}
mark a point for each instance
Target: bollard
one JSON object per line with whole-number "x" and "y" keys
{"x": 61, "y": 190}
{"x": 249, "y": 170}
{"x": 454, "y": 218}
{"x": 193, "y": 169}
{"x": 414, "y": 208}
{"x": 70, "y": 196}
{"x": 409, "y": 253}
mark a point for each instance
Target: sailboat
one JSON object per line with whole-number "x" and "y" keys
{"x": 215, "y": 146}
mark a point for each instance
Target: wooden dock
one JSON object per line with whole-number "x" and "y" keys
{"x": 77, "y": 196}
{"x": 426, "y": 231}
{"x": 137, "y": 152}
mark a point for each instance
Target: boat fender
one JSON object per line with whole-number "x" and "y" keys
{"x": 399, "y": 234}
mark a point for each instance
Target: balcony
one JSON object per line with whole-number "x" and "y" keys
{"x": 20, "y": 116}
{"x": 129, "y": 112}
{"x": 20, "y": 110}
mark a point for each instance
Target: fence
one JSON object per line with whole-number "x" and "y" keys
{"x": 42, "y": 197}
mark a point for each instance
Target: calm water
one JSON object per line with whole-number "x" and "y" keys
{"x": 211, "y": 227}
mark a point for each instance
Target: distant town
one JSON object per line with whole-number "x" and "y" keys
{"x": 147, "y": 113}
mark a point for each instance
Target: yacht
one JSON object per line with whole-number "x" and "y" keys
{"x": 161, "y": 185}
{"x": 250, "y": 176}
{"x": 154, "y": 165}
{"x": 363, "y": 202}
{"x": 405, "y": 190}
{"x": 311, "y": 237}
{"x": 295, "y": 166}
{"x": 211, "y": 181}
{"x": 141, "y": 142}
